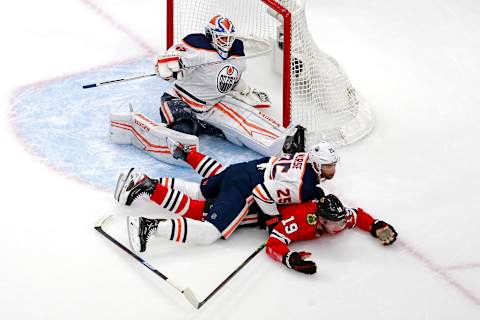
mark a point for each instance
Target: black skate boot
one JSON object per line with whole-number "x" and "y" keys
{"x": 178, "y": 150}
{"x": 139, "y": 231}
{"x": 132, "y": 185}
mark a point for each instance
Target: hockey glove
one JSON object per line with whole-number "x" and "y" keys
{"x": 272, "y": 222}
{"x": 243, "y": 92}
{"x": 169, "y": 66}
{"x": 384, "y": 232}
{"x": 295, "y": 260}
{"x": 296, "y": 142}
{"x": 265, "y": 221}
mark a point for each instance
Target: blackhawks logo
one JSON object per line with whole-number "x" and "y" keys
{"x": 312, "y": 219}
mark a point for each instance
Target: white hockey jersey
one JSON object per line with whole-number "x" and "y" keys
{"x": 289, "y": 179}
{"x": 205, "y": 86}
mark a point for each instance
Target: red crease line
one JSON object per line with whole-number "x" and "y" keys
{"x": 438, "y": 270}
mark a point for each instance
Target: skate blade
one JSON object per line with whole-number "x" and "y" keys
{"x": 120, "y": 183}
{"x": 121, "y": 186}
{"x": 102, "y": 220}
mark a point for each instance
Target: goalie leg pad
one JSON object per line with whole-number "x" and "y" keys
{"x": 242, "y": 124}
{"x": 135, "y": 128}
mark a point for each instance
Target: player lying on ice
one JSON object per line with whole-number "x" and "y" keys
{"x": 199, "y": 223}
{"x": 214, "y": 99}
{"x": 268, "y": 181}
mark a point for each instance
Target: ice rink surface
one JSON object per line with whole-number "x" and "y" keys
{"x": 416, "y": 62}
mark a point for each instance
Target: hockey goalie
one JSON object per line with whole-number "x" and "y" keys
{"x": 210, "y": 97}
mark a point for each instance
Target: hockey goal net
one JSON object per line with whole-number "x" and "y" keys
{"x": 314, "y": 90}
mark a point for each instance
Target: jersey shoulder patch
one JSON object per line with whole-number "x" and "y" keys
{"x": 237, "y": 49}
{"x": 198, "y": 41}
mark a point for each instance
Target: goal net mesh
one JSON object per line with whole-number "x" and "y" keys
{"x": 317, "y": 92}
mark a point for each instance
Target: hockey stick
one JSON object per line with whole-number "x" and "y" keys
{"x": 254, "y": 55}
{"x": 224, "y": 282}
{"x": 93, "y": 85}
{"x": 186, "y": 292}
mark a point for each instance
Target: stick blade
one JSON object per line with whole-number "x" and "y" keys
{"x": 101, "y": 221}
{"x": 188, "y": 294}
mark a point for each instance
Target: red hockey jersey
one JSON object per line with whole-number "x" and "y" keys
{"x": 299, "y": 222}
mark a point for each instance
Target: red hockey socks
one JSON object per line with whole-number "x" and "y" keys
{"x": 177, "y": 202}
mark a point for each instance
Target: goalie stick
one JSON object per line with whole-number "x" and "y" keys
{"x": 93, "y": 85}
{"x": 253, "y": 55}
{"x": 186, "y": 292}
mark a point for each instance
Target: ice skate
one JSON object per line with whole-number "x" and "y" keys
{"x": 139, "y": 231}
{"x": 178, "y": 150}
{"x": 132, "y": 185}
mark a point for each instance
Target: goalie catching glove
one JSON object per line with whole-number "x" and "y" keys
{"x": 295, "y": 260}
{"x": 169, "y": 66}
{"x": 243, "y": 92}
{"x": 384, "y": 232}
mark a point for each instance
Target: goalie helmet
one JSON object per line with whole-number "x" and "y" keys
{"x": 331, "y": 208}
{"x": 322, "y": 153}
{"x": 221, "y": 33}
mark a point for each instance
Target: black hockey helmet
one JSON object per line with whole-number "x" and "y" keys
{"x": 331, "y": 208}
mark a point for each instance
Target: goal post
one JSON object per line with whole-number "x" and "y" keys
{"x": 315, "y": 91}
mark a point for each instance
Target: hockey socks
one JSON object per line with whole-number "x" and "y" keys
{"x": 188, "y": 231}
{"x": 191, "y": 189}
{"x": 203, "y": 164}
{"x": 177, "y": 202}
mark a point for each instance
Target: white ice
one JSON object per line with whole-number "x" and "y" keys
{"x": 417, "y": 63}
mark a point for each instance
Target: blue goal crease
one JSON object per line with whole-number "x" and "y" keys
{"x": 68, "y": 127}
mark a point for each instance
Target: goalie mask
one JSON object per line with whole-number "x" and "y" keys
{"x": 323, "y": 153}
{"x": 221, "y": 33}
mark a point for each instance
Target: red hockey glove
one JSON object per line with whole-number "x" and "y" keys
{"x": 272, "y": 222}
{"x": 384, "y": 232}
{"x": 295, "y": 260}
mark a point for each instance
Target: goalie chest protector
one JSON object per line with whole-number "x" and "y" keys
{"x": 209, "y": 83}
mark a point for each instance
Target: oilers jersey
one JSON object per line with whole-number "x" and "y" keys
{"x": 288, "y": 179}
{"x": 205, "y": 86}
